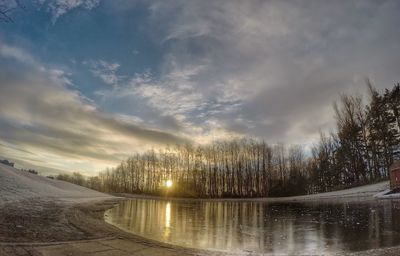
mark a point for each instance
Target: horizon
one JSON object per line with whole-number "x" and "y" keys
{"x": 85, "y": 84}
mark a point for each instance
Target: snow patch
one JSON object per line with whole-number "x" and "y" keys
{"x": 17, "y": 185}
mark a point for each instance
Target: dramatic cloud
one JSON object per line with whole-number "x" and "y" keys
{"x": 179, "y": 104}
{"x": 38, "y": 113}
{"x": 150, "y": 73}
{"x": 282, "y": 62}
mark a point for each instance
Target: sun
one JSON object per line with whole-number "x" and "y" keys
{"x": 168, "y": 183}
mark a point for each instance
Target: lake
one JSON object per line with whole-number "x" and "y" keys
{"x": 261, "y": 227}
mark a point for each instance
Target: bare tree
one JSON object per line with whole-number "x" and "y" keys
{"x": 7, "y": 8}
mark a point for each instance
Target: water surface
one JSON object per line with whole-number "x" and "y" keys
{"x": 286, "y": 228}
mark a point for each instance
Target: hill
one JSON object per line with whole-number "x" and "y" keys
{"x": 17, "y": 185}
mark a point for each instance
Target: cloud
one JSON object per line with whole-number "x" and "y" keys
{"x": 281, "y": 64}
{"x": 104, "y": 70}
{"x": 174, "y": 94}
{"x": 7, "y": 51}
{"x": 59, "y": 8}
{"x": 177, "y": 105}
{"x": 265, "y": 69}
{"x": 40, "y": 114}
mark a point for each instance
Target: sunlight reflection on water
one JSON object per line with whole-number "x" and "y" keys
{"x": 167, "y": 221}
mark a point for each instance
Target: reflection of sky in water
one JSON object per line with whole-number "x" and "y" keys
{"x": 261, "y": 227}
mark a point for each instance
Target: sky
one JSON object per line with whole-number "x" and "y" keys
{"x": 85, "y": 84}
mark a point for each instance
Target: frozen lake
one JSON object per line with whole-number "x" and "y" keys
{"x": 286, "y": 228}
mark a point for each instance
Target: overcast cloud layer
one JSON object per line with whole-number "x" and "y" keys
{"x": 85, "y": 84}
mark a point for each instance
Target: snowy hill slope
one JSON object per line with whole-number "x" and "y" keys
{"x": 16, "y": 185}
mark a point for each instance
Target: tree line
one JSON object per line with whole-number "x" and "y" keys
{"x": 365, "y": 144}
{"x": 361, "y": 150}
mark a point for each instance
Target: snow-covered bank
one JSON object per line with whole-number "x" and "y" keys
{"x": 16, "y": 185}
{"x": 387, "y": 194}
{"x": 367, "y": 191}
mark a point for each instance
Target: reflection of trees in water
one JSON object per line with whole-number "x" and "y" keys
{"x": 262, "y": 227}
{"x": 395, "y": 221}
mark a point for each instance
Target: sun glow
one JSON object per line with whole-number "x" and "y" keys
{"x": 168, "y": 183}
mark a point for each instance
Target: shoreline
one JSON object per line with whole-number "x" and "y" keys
{"x": 89, "y": 234}
{"x": 102, "y": 238}
{"x": 62, "y": 226}
{"x": 365, "y": 192}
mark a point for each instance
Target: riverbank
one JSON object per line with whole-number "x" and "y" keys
{"x": 40, "y": 216}
{"x": 366, "y": 192}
